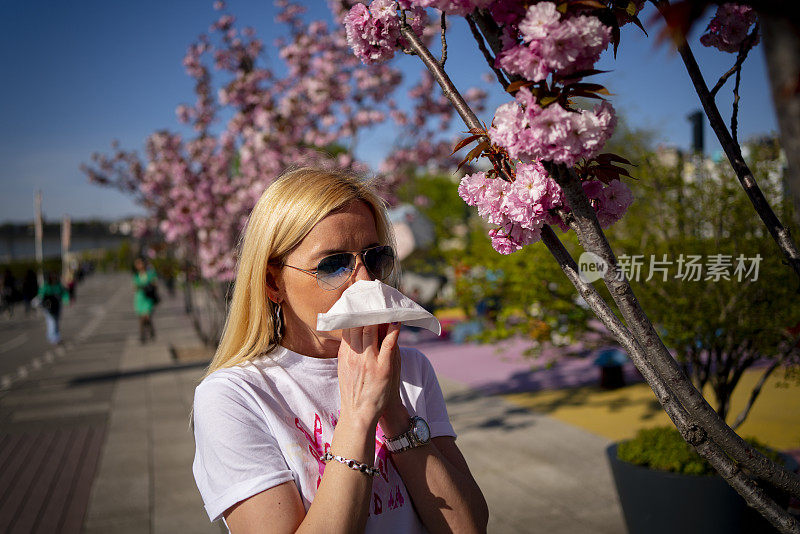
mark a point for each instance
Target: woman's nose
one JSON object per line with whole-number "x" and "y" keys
{"x": 361, "y": 272}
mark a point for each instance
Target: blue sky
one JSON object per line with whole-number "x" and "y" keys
{"x": 77, "y": 75}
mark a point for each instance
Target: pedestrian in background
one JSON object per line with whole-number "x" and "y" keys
{"x": 8, "y": 292}
{"x": 145, "y": 299}
{"x": 30, "y": 288}
{"x": 70, "y": 281}
{"x": 50, "y": 297}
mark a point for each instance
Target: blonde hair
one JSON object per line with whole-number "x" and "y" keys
{"x": 286, "y": 212}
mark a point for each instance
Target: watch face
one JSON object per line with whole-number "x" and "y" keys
{"x": 421, "y": 430}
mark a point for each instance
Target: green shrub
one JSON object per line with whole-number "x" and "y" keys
{"x": 664, "y": 449}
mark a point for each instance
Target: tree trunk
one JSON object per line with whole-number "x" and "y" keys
{"x": 690, "y": 412}
{"x": 782, "y": 52}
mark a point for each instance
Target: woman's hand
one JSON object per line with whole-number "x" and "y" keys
{"x": 369, "y": 373}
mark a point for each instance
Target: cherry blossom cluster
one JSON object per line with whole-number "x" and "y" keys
{"x": 374, "y": 32}
{"x": 521, "y": 208}
{"x": 729, "y": 27}
{"x": 548, "y": 49}
{"x": 551, "y": 43}
{"x": 529, "y": 132}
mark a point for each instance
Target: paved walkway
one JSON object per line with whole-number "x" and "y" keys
{"x": 538, "y": 474}
{"x": 144, "y": 482}
{"x": 124, "y": 408}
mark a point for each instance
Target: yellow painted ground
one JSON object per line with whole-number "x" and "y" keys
{"x": 454, "y": 314}
{"x": 618, "y": 414}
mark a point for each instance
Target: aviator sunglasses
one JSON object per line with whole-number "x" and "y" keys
{"x": 333, "y": 271}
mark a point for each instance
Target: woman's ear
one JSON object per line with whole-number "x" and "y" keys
{"x": 273, "y": 288}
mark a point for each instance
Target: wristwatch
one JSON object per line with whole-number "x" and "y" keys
{"x": 419, "y": 434}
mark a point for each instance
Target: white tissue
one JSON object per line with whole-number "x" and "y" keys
{"x": 373, "y": 302}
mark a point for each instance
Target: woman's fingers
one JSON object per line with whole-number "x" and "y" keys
{"x": 345, "y": 341}
{"x": 355, "y": 338}
{"x": 369, "y": 370}
{"x": 389, "y": 344}
{"x": 370, "y": 336}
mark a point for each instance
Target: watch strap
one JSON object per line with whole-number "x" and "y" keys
{"x": 406, "y": 440}
{"x": 400, "y": 443}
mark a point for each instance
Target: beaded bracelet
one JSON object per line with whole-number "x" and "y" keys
{"x": 352, "y": 464}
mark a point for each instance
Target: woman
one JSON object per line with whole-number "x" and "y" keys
{"x": 144, "y": 300}
{"x": 30, "y": 288}
{"x": 280, "y": 399}
{"x": 50, "y": 297}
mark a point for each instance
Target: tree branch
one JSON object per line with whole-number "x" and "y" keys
{"x": 735, "y": 112}
{"x": 448, "y": 89}
{"x": 490, "y": 30}
{"x": 777, "y": 230}
{"x": 747, "y": 45}
{"x": 444, "y": 40}
{"x": 691, "y": 432}
{"x": 760, "y": 384}
{"x": 654, "y": 368}
{"x": 485, "y": 51}
{"x": 592, "y": 238}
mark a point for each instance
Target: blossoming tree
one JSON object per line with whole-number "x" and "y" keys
{"x": 548, "y": 168}
{"x": 309, "y": 110}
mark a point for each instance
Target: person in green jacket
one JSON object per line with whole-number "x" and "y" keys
{"x": 49, "y": 298}
{"x": 145, "y": 298}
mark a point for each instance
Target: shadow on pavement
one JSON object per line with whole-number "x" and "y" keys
{"x": 104, "y": 377}
{"x": 503, "y": 416}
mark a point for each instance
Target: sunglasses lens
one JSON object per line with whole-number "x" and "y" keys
{"x": 379, "y": 261}
{"x": 334, "y": 270}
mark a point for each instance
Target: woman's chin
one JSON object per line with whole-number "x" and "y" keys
{"x": 330, "y": 336}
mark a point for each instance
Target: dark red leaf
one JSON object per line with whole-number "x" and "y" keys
{"x": 619, "y": 170}
{"x": 586, "y": 94}
{"x": 464, "y": 142}
{"x": 589, "y": 3}
{"x": 608, "y": 156}
{"x": 638, "y": 23}
{"x": 475, "y": 152}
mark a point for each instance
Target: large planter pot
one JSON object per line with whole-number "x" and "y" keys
{"x": 655, "y": 502}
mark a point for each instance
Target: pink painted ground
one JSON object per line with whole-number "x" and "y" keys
{"x": 502, "y": 368}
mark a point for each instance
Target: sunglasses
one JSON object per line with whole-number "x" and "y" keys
{"x": 333, "y": 271}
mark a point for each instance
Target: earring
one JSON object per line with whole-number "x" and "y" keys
{"x": 278, "y": 320}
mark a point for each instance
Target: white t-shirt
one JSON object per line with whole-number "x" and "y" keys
{"x": 266, "y": 422}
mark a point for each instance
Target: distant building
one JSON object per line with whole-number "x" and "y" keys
{"x": 17, "y": 239}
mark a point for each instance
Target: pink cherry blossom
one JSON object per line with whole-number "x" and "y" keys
{"x": 614, "y": 201}
{"x": 540, "y": 20}
{"x": 529, "y": 132}
{"x": 373, "y": 39}
{"x": 508, "y": 12}
{"x": 374, "y": 32}
{"x": 552, "y": 44}
{"x": 519, "y": 209}
{"x": 511, "y": 238}
{"x": 531, "y": 196}
{"x": 729, "y": 27}
{"x": 472, "y": 188}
